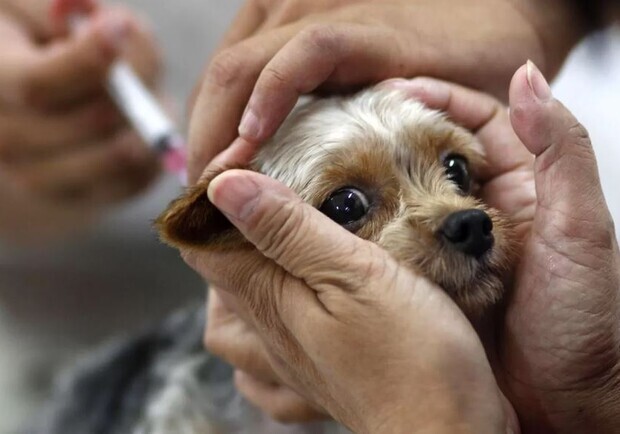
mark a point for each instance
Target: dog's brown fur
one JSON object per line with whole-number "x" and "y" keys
{"x": 391, "y": 148}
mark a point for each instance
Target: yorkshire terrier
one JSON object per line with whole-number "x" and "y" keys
{"x": 378, "y": 163}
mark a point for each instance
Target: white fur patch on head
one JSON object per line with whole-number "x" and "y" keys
{"x": 318, "y": 128}
{"x": 393, "y": 149}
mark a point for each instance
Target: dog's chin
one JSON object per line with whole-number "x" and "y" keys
{"x": 476, "y": 297}
{"x": 475, "y": 284}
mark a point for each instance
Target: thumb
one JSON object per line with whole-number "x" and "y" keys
{"x": 300, "y": 239}
{"x": 570, "y": 201}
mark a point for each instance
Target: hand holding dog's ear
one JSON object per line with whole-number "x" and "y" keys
{"x": 332, "y": 308}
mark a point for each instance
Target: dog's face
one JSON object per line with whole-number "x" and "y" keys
{"x": 390, "y": 171}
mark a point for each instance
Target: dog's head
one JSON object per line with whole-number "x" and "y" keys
{"x": 389, "y": 170}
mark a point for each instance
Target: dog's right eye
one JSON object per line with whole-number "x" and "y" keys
{"x": 346, "y": 206}
{"x": 457, "y": 170}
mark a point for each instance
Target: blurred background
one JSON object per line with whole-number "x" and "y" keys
{"x": 57, "y": 301}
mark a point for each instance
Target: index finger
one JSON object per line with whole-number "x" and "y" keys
{"x": 476, "y": 111}
{"x": 343, "y": 56}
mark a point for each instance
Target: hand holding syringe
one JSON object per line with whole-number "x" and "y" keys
{"x": 137, "y": 103}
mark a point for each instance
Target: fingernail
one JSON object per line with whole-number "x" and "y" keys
{"x": 115, "y": 32}
{"x": 234, "y": 194}
{"x": 393, "y": 83}
{"x": 249, "y": 128}
{"x": 420, "y": 88}
{"x": 537, "y": 82}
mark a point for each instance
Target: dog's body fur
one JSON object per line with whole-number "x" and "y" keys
{"x": 380, "y": 143}
{"x": 160, "y": 382}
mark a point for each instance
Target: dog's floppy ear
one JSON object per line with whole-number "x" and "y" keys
{"x": 193, "y": 221}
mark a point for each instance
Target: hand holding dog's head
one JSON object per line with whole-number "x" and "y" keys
{"x": 392, "y": 172}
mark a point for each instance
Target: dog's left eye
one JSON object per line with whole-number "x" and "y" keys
{"x": 457, "y": 170}
{"x": 346, "y": 206}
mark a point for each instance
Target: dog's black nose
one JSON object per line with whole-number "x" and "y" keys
{"x": 470, "y": 232}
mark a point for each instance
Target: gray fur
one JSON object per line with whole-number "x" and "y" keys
{"x": 160, "y": 382}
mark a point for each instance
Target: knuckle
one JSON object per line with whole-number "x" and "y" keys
{"x": 323, "y": 37}
{"x": 580, "y": 135}
{"x": 226, "y": 68}
{"x": 274, "y": 78}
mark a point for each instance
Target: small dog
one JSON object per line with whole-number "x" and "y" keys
{"x": 392, "y": 172}
{"x": 378, "y": 163}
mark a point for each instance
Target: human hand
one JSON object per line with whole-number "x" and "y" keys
{"x": 276, "y": 51}
{"x": 231, "y": 338}
{"x": 560, "y": 348}
{"x": 332, "y": 321}
{"x": 65, "y": 151}
{"x": 558, "y": 354}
